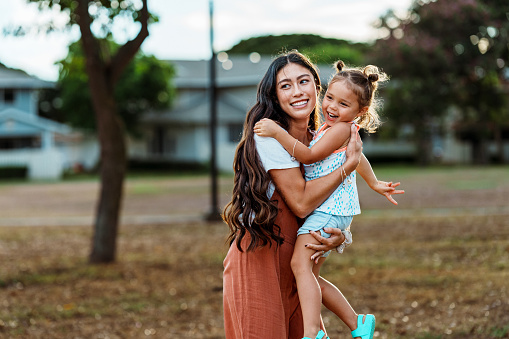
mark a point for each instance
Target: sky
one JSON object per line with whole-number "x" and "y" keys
{"x": 183, "y": 28}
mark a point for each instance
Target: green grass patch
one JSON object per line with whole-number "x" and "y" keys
{"x": 500, "y": 332}
{"x": 429, "y": 336}
{"x": 144, "y": 188}
{"x": 463, "y": 185}
{"x": 61, "y": 275}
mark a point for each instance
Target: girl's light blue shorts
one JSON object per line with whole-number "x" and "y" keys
{"x": 316, "y": 221}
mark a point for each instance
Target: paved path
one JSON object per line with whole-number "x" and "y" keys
{"x": 436, "y": 212}
{"x": 170, "y": 219}
{"x": 88, "y": 220}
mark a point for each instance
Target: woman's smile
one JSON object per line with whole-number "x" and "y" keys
{"x": 300, "y": 103}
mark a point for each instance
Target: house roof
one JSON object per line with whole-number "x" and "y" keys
{"x": 237, "y": 71}
{"x": 243, "y": 72}
{"x": 15, "y": 78}
{"x": 34, "y": 121}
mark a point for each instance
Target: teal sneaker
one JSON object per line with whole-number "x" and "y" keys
{"x": 320, "y": 335}
{"x": 365, "y": 329}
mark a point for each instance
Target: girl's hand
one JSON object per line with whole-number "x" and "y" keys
{"x": 267, "y": 128}
{"x": 354, "y": 147}
{"x": 337, "y": 238}
{"x": 387, "y": 189}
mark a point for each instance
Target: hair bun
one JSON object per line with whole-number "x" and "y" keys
{"x": 340, "y": 65}
{"x": 373, "y": 77}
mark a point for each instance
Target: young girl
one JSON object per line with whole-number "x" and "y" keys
{"x": 350, "y": 98}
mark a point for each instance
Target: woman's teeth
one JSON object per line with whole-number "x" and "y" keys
{"x": 299, "y": 103}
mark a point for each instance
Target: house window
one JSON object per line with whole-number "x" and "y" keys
{"x": 157, "y": 144}
{"x": 235, "y": 132}
{"x": 170, "y": 145}
{"x": 161, "y": 142}
{"x": 8, "y": 95}
{"x": 19, "y": 143}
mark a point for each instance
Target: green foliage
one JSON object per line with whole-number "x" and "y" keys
{"x": 319, "y": 49}
{"x": 145, "y": 85}
{"x": 446, "y": 54}
{"x": 330, "y": 53}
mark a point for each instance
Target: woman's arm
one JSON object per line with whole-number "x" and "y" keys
{"x": 302, "y": 196}
{"x": 335, "y": 137}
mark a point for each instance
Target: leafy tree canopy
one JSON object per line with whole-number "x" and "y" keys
{"x": 453, "y": 46}
{"x": 104, "y": 15}
{"x": 319, "y": 49}
{"x": 443, "y": 54}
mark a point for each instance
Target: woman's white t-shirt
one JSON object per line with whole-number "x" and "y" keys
{"x": 273, "y": 156}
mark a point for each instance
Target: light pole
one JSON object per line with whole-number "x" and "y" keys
{"x": 214, "y": 213}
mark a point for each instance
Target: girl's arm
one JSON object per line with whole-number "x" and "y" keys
{"x": 384, "y": 188}
{"x": 335, "y": 137}
{"x": 302, "y": 196}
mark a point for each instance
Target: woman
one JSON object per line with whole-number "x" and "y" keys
{"x": 259, "y": 292}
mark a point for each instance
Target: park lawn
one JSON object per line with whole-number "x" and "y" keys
{"x": 424, "y": 274}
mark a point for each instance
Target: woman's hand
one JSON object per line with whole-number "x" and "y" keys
{"x": 326, "y": 244}
{"x": 354, "y": 147}
{"x": 267, "y": 128}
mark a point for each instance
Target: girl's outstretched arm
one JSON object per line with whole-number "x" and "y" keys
{"x": 386, "y": 189}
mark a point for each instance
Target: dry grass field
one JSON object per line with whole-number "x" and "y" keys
{"x": 434, "y": 267}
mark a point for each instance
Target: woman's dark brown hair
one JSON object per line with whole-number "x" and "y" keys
{"x": 250, "y": 211}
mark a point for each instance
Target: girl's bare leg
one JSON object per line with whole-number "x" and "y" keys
{"x": 335, "y": 301}
{"x": 310, "y": 295}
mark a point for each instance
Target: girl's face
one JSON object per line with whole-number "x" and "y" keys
{"x": 296, "y": 91}
{"x": 340, "y": 104}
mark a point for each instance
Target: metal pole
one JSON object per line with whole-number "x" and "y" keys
{"x": 214, "y": 213}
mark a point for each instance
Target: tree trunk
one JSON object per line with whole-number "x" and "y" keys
{"x": 499, "y": 141}
{"x": 480, "y": 152}
{"x": 113, "y": 168}
{"x": 113, "y": 164}
{"x": 103, "y": 73}
{"x": 423, "y": 141}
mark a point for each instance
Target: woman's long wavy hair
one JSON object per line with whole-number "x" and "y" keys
{"x": 250, "y": 211}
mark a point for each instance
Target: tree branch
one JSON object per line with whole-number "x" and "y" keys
{"x": 90, "y": 44}
{"x": 127, "y": 52}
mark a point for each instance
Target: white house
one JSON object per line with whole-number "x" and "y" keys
{"x": 42, "y": 146}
